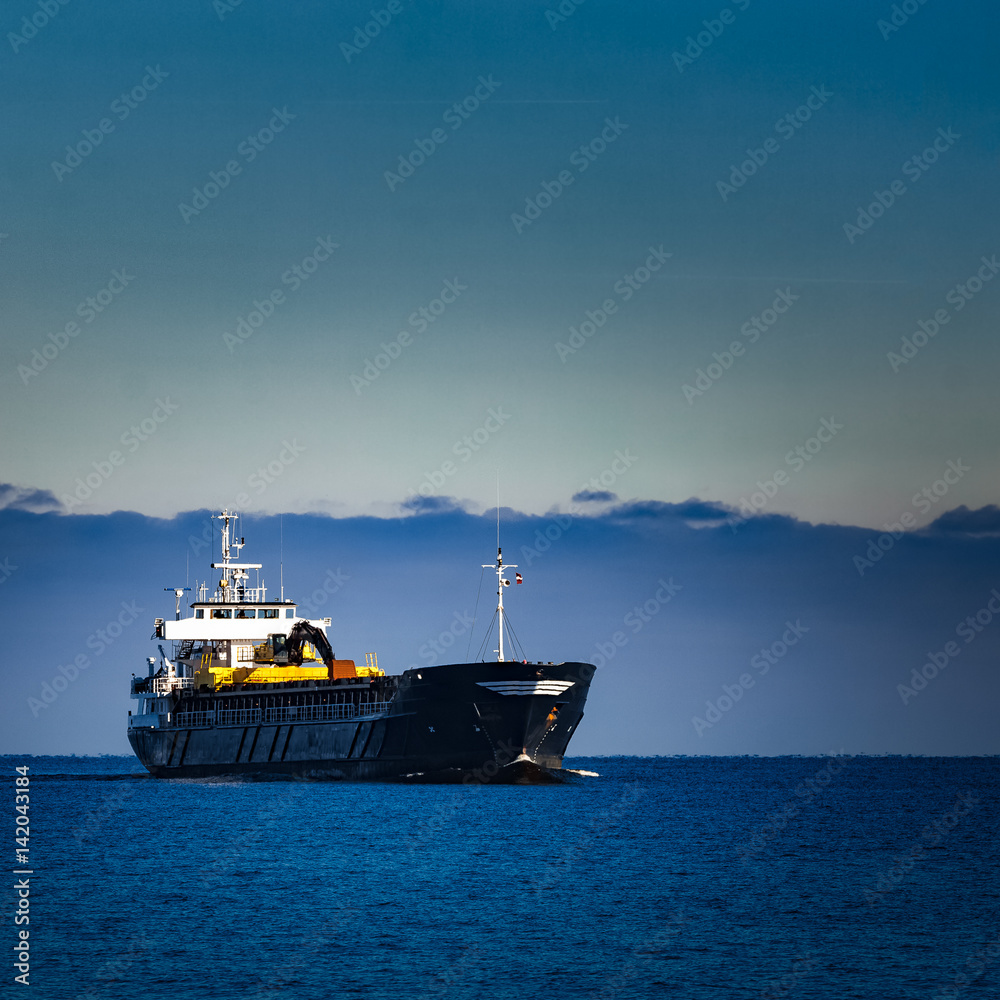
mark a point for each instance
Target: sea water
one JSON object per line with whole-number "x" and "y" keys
{"x": 791, "y": 877}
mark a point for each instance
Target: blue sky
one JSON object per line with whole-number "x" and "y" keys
{"x": 207, "y": 85}
{"x": 738, "y": 255}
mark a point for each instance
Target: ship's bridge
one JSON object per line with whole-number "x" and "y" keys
{"x": 236, "y": 610}
{"x": 230, "y": 620}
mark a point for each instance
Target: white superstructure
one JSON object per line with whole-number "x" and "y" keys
{"x": 231, "y": 627}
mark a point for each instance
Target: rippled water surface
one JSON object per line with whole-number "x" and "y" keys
{"x": 802, "y": 877}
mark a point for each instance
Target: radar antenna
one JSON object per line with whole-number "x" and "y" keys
{"x": 178, "y": 593}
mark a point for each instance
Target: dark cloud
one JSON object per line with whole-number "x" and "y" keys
{"x": 692, "y": 511}
{"x": 984, "y": 521}
{"x": 594, "y": 496}
{"x": 431, "y": 505}
{"x": 22, "y": 498}
{"x": 702, "y": 510}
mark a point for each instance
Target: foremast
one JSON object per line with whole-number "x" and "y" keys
{"x": 501, "y": 583}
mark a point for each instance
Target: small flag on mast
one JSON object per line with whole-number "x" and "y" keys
{"x": 517, "y": 578}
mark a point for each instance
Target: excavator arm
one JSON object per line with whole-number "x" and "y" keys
{"x": 302, "y": 631}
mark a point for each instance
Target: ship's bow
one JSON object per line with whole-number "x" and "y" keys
{"x": 493, "y": 721}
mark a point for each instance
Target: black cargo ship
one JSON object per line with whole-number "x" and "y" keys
{"x": 252, "y": 689}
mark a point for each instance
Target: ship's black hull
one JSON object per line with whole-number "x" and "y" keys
{"x": 504, "y": 722}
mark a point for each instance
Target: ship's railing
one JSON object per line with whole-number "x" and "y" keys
{"x": 233, "y": 595}
{"x": 164, "y": 685}
{"x": 283, "y": 713}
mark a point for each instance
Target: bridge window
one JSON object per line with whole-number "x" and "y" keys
{"x": 269, "y": 613}
{"x": 222, "y": 612}
{"x": 199, "y": 613}
{"x": 246, "y": 613}
{"x": 289, "y": 612}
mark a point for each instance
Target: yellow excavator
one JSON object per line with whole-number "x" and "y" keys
{"x": 281, "y": 659}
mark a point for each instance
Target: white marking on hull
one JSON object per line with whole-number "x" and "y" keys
{"x": 526, "y": 687}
